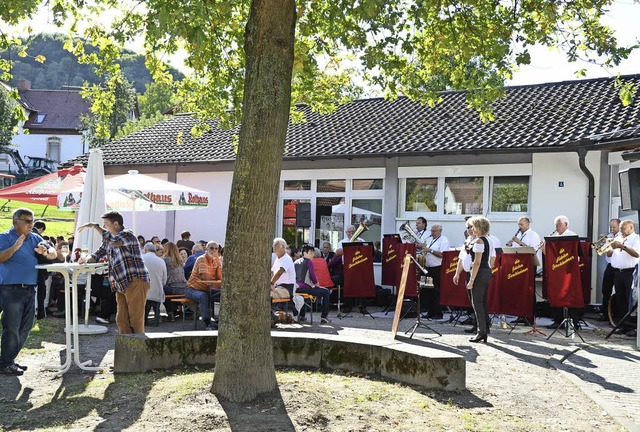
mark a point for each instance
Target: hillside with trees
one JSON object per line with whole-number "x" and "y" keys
{"x": 61, "y": 67}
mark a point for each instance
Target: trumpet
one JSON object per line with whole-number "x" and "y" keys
{"x": 410, "y": 234}
{"x": 603, "y": 245}
{"x": 362, "y": 228}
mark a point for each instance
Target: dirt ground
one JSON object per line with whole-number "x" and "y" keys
{"x": 510, "y": 386}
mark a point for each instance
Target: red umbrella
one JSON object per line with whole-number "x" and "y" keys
{"x": 45, "y": 189}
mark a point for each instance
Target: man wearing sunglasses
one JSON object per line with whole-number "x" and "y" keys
{"x": 19, "y": 250}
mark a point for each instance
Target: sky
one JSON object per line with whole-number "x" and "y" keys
{"x": 546, "y": 66}
{"x": 552, "y": 66}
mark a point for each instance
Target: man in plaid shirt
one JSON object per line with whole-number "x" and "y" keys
{"x": 128, "y": 276}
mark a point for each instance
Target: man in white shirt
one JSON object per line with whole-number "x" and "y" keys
{"x": 338, "y": 260}
{"x": 434, "y": 245}
{"x": 624, "y": 259}
{"x": 158, "y": 274}
{"x": 525, "y": 237}
{"x": 609, "y": 274}
{"x": 283, "y": 274}
{"x": 562, "y": 227}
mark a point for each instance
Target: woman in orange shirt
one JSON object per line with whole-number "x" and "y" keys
{"x": 204, "y": 283}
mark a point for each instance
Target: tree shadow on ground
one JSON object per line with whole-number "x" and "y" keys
{"x": 269, "y": 408}
{"x": 468, "y": 352}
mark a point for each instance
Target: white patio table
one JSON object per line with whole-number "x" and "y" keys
{"x": 70, "y": 272}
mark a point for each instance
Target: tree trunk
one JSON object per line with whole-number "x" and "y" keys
{"x": 244, "y": 356}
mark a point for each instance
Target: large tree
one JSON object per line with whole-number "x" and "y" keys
{"x": 259, "y": 56}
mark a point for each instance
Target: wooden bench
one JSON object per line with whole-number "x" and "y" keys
{"x": 186, "y": 303}
{"x": 308, "y": 302}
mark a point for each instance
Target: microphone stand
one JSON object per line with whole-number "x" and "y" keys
{"x": 419, "y": 324}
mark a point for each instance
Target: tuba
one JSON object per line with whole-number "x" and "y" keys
{"x": 410, "y": 235}
{"x": 362, "y": 228}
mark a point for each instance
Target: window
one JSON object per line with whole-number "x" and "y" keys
{"x": 331, "y": 185}
{"x": 53, "y": 148}
{"x": 293, "y": 234}
{"x": 293, "y": 185}
{"x": 39, "y": 119}
{"x": 421, "y": 195}
{"x": 373, "y": 184}
{"x": 368, "y": 211}
{"x": 463, "y": 195}
{"x": 510, "y": 194}
{"x": 329, "y": 220}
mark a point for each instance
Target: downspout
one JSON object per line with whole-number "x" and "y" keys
{"x": 591, "y": 197}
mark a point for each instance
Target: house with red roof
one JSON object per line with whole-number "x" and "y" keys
{"x": 53, "y": 128}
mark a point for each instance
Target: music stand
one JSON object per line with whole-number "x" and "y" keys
{"x": 419, "y": 322}
{"x": 567, "y": 321}
{"x": 340, "y": 315}
{"x": 536, "y": 263}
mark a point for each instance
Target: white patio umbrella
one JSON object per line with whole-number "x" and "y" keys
{"x": 342, "y": 208}
{"x": 94, "y": 203}
{"x": 136, "y": 192}
{"x": 91, "y": 208}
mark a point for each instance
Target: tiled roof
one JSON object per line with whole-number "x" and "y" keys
{"x": 545, "y": 117}
{"x": 62, "y": 109}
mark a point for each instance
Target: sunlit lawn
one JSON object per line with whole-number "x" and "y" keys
{"x": 58, "y": 222}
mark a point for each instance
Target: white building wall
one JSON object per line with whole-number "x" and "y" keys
{"x": 210, "y": 223}
{"x": 36, "y": 145}
{"x": 559, "y": 187}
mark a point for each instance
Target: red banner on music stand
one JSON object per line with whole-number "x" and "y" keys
{"x": 585, "y": 269}
{"x": 411, "y": 289}
{"x": 358, "y": 270}
{"x": 390, "y": 258}
{"x": 515, "y": 292}
{"x": 494, "y": 296}
{"x": 562, "y": 273}
{"x": 450, "y": 293}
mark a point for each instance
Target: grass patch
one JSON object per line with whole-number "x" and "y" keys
{"x": 58, "y": 222}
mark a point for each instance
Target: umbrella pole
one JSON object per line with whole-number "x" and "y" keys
{"x": 43, "y": 211}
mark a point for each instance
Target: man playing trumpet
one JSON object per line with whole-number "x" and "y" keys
{"x": 609, "y": 273}
{"x": 624, "y": 253}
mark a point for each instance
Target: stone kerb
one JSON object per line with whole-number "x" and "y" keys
{"x": 389, "y": 359}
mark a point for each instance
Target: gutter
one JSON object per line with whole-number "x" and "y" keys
{"x": 591, "y": 197}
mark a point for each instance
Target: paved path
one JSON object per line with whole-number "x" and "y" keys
{"x": 609, "y": 373}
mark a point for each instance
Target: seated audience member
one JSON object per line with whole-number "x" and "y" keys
{"x": 164, "y": 241}
{"x": 185, "y": 241}
{"x": 141, "y": 240}
{"x": 283, "y": 275}
{"x": 176, "y": 282}
{"x": 205, "y": 282}
{"x": 158, "y": 275}
{"x": 196, "y": 252}
{"x": 184, "y": 254}
{"x": 101, "y": 289}
{"x": 307, "y": 282}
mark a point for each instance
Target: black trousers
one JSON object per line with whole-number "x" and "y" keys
{"x": 608, "y": 278}
{"x": 432, "y": 296}
{"x": 623, "y": 281}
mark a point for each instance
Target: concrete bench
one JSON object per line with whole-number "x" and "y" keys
{"x": 389, "y": 359}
